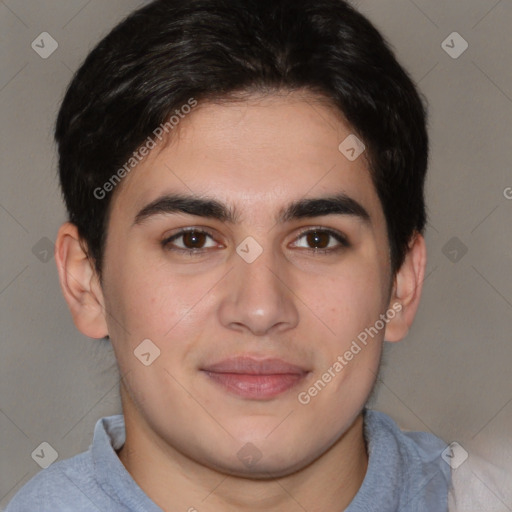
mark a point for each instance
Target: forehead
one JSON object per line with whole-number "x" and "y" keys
{"x": 253, "y": 154}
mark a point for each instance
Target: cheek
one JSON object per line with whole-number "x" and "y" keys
{"x": 154, "y": 302}
{"x": 352, "y": 300}
{"x": 350, "y": 304}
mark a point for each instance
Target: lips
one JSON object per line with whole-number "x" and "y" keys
{"x": 256, "y": 379}
{"x": 252, "y": 366}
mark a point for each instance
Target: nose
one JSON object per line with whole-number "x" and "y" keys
{"x": 259, "y": 298}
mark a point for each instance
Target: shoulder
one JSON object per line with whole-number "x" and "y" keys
{"x": 411, "y": 461}
{"x": 421, "y": 446}
{"x": 482, "y": 483}
{"x": 63, "y": 486}
{"x": 87, "y": 482}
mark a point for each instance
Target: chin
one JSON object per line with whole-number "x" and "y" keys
{"x": 263, "y": 460}
{"x": 260, "y": 470}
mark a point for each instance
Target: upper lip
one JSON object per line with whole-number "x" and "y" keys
{"x": 252, "y": 366}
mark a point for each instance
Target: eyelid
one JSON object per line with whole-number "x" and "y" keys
{"x": 337, "y": 235}
{"x": 182, "y": 231}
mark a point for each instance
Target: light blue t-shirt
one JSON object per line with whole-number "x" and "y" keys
{"x": 405, "y": 474}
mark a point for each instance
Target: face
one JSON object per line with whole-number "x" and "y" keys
{"x": 253, "y": 302}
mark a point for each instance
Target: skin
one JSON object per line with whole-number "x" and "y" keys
{"x": 306, "y": 307}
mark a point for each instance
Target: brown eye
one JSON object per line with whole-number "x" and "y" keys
{"x": 189, "y": 241}
{"x": 322, "y": 241}
{"x": 194, "y": 239}
{"x": 318, "y": 239}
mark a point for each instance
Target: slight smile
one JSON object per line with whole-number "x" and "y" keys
{"x": 255, "y": 379}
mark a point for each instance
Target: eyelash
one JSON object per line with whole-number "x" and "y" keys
{"x": 341, "y": 239}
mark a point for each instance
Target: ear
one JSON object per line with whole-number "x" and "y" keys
{"x": 406, "y": 293}
{"x": 79, "y": 283}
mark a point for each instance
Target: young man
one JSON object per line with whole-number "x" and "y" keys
{"x": 244, "y": 182}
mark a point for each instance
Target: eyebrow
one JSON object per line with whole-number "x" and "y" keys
{"x": 339, "y": 204}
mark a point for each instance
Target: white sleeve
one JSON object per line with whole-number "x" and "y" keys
{"x": 478, "y": 485}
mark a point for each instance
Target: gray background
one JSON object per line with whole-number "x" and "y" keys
{"x": 450, "y": 376}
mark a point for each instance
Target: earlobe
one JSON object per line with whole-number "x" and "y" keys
{"x": 79, "y": 283}
{"x": 407, "y": 290}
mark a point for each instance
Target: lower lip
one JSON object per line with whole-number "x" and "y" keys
{"x": 256, "y": 387}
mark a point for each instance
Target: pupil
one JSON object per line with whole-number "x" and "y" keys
{"x": 318, "y": 239}
{"x": 193, "y": 238}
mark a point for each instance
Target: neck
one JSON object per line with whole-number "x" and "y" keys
{"x": 176, "y": 482}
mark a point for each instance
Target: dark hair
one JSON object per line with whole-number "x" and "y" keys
{"x": 169, "y": 51}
